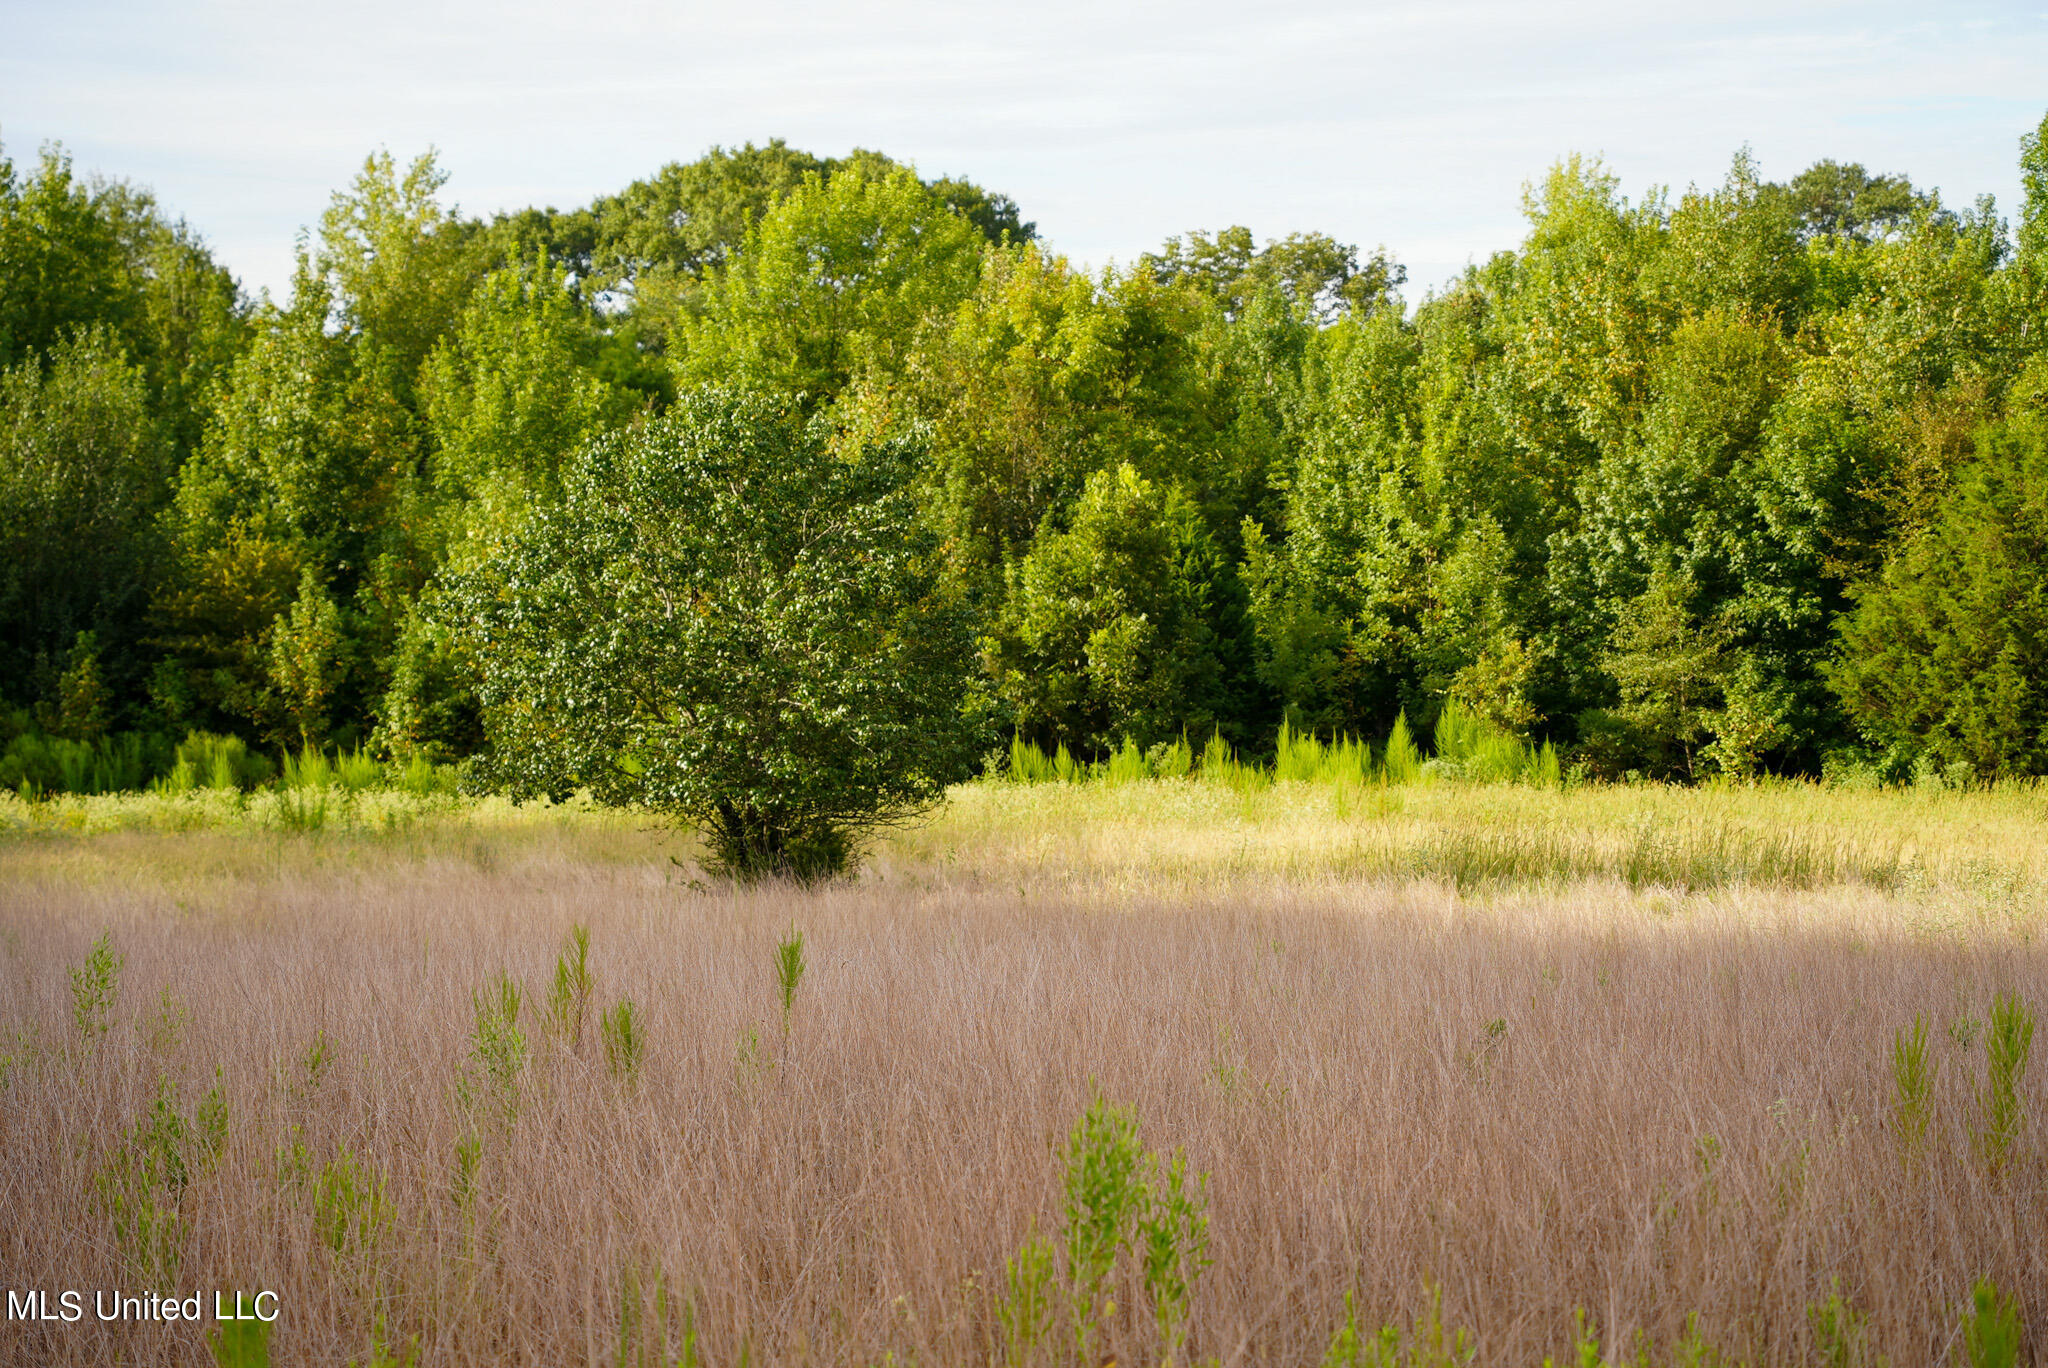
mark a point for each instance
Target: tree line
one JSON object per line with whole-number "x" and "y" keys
{"x": 1750, "y": 478}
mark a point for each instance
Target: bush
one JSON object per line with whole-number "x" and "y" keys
{"x": 730, "y": 620}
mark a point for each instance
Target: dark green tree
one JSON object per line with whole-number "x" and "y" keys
{"x": 1946, "y": 651}
{"x": 730, "y": 620}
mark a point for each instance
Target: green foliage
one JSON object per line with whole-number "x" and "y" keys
{"x": 789, "y": 971}
{"x": 830, "y": 285}
{"x": 95, "y": 985}
{"x": 1173, "y": 1244}
{"x": 240, "y": 1344}
{"x": 625, "y": 1040}
{"x": 1426, "y": 1344}
{"x": 2007, "y": 1046}
{"x": 498, "y": 1052}
{"x": 1991, "y": 1328}
{"x": 1105, "y": 1195}
{"x": 83, "y": 465}
{"x": 732, "y": 623}
{"x": 1107, "y": 631}
{"x": 1840, "y": 1334}
{"x": 1946, "y": 650}
{"x": 141, "y": 1185}
{"x": 1701, "y": 485}
{"x": 569, "y": 995}
{"x": 1912, "y": 1088}
{"x": 350, "y": 1210}
{"x": 1027, "y": 1308}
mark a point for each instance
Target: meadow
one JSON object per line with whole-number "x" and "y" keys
{"x": 1229, "y": 1066}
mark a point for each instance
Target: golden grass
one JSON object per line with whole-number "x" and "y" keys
{"x": 1683, "y": 1108}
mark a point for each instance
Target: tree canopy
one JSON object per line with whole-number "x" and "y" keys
{"x": 1713, "y": 482}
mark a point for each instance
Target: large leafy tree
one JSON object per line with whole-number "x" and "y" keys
{"x": 832, "y": 285}
{"x": 729, "y": 619}
{"x": 83, "y": 474}
{"x": 1109, "y": 633}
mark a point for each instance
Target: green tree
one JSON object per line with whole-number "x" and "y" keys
{"x": 1108, "y": 631}
{"x": 1946, "y": 650}
{"x": 832, "y": 284}
{"x": 729, "y": 621}
{"x": 399, "y": 265}
{"x": 1669, "y": 669}
{"x": 84, "y": 472}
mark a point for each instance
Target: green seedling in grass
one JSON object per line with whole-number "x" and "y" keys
{"x": 789, "y": 972}
{"x": 1912, "y": 1088}
{"x": 625, "y": 1041}
{"x": 1840, "y": 1333}
{"x": 1105, "y": 1191}
{"x": 1025, "y": 1310}
{"x": 2006, "y": 1047}
{"x": 569, "y": 997}
{"x": 141, "y": 1186}
{"x": 1991, "y": 1328}
{"x": 382, "y": 1355}
{"x": 349, "y": 1207}
{"x": 497, "y": 1052}
{"x": 1174, "y": 1239}
{"x": 241, "y": 1344}
{"x": 94, "y": 987}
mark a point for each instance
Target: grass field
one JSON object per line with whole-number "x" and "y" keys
{"x": 1477, "y": 1058}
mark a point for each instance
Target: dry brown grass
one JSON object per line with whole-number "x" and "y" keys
{"x": 1684, "y": 1112}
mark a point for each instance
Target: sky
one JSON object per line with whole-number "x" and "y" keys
{"x": 1114, "y": 125}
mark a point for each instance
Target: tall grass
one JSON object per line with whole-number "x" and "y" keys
{"x": 1460, "y": 1119}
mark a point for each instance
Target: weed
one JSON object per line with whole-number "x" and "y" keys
{"x": 211, "y": 1122}
{"x": 2006, "y": 1046}
{"x": 141, "y": 1186}
{"x": 240, "y": 1344}
{"x": 94, "y": 987}
{"x": 789, "y": 971}
{"x": 1991, "y": 1328}
{"x": 165, "y": 1031}
{"x": 1025, "y": 1311}
{"x": 1105, "y": 1189}
{"x": 569, "y": 997}
{"x": 1840, "y": 1332}
{"x": 1912, "y": 1087}
{"x": 349, "y": 1207}
{"x": 625, "y": 1040}
{"x": 750, "y": 1063}
{"x": 381, "y": 1353}
{"x": 497, "y": 1051}
{"x": 1174, "y": 1238}
{"x": 469, "y": 1153}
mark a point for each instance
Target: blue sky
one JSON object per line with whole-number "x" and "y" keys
{"x": 1113, "y": 124}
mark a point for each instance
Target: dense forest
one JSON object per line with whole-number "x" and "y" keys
{"x": 1748, "y": 479}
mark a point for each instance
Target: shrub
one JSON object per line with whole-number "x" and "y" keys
{"x": 731, "y": 620}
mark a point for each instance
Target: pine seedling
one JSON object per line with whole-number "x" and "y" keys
{"x": 569, "y": 997}
{"x": 625, "y": 1040}
{"x": 240, "y": 1344}
{"x": 2007, "y": 1045}
{"x": 1912, "y": 1087}
{"x": 789, "y": 972}
{"x": 497, "y": 1051}
{"x": 1991, "y": 1328}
